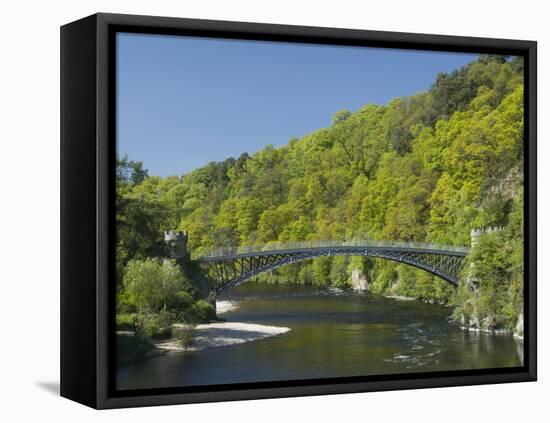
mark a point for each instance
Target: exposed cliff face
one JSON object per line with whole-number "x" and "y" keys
{"x": 489, "y": 324}
{"x": 508, "y": 186}
{"x": 518, "y": 332}
{"x": 358, "y": 280}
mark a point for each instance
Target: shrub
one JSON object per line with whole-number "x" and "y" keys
{"x": 180, "y": 301}
{"x": 126, "y": 321}
{"x": 184, "y": 335}
{"x": 155, "y": 325}
{"x": 203, "y": 311}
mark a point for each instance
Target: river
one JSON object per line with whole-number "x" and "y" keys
{"x": 332, "y": 334}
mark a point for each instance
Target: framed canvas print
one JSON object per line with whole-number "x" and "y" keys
{"x": 255, "y": 211}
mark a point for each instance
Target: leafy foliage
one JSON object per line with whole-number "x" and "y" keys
{"x": 154, "y": 295}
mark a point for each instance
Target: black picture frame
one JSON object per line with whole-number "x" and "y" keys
{"x": 87, "y": 208}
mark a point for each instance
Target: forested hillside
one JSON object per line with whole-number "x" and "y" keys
{"x": 429, "y": 167}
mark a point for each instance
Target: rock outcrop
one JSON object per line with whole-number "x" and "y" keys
{"x": 358, "y": 280}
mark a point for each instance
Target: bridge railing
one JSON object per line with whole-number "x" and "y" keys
{"x": 278, "y": 246}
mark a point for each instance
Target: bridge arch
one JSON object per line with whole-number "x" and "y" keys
{"x": 233, "y": 267}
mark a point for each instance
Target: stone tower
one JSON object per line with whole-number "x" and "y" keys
{"x": 476, "y": 233}
{"x": 176, "y": 249}
{"x": 176, "y": 244}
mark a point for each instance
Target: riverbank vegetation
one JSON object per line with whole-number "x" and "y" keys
{"x": 153, "y": 292}
{"x": 429, "y": 167}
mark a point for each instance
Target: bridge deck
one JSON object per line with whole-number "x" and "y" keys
{"x": 304, "y": 247}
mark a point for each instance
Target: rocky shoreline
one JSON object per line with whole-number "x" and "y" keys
{"x": 473, "y": 325}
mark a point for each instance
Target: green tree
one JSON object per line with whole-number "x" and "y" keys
{"x": 151, "y": 285}
{"x": 340, "y": 116}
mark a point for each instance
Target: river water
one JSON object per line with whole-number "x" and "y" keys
{"x": 333, "y": 334}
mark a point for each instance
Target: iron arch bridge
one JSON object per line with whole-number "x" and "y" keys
{"x": 233, "y": 266}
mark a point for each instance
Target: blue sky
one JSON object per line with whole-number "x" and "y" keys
{"x": 184, "y": 101}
